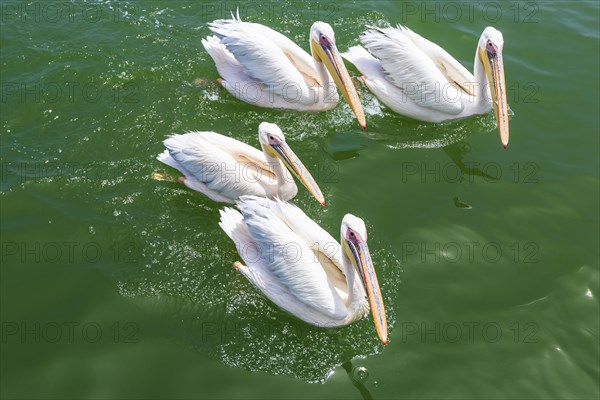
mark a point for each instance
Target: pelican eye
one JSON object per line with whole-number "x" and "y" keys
{"x": 491, "y": 47}
{"x": 353, "y": 236}
{"x": 274, "y": 140}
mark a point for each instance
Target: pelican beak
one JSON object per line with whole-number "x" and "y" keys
{"x": 359, "y": 255}
{"x": 327, "y": 53}
{"x": 494, "y": 69}
{"x": 283, "y": 152}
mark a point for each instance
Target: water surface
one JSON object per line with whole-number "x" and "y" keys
{"x": 118, "y": 285}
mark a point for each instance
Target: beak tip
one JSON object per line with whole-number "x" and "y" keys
{"x": 323, "y": 203}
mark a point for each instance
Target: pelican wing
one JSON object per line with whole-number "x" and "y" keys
{"x": 224, "y": 165}
{"x": 302, "y": 61}
{"x": 452, "y": 70}
{"x": 328, "y": 251}
{"x": 267, "y": 56}
{"x": 289, "y": 257}
{"x": 426, "y": 73}
{"x": 243, "y": 154}
{"x": 317, "y": 238}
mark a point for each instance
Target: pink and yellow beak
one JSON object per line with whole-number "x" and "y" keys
{"x": 326, "y": 52}
{"x": 358, "y": 253}
{"x": 291, "y": 161}
{"x": 491, "y": 58}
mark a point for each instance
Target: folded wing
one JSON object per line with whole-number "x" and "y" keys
{"x": 426, "y": 73}
{"x": 289, "y": 257}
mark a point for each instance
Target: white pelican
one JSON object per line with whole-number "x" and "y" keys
{"x": 263, "y": 67}
{"x": 419, "y": 79}
{"x": 301, "y": 267}
{"x": 225, "y": 169}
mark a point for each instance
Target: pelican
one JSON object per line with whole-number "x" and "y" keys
{"x": 419, "y": 79}
{"x": 263, "y": 67}
{"x": 301, "y": 267}
{"x": 224, "y": 168}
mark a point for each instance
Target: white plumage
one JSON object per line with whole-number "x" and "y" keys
{"x": 417, "y": 78}
{"x": 224, "y": 168}
{"x": 263, "y": 67}
{"x": 301, "y": 267}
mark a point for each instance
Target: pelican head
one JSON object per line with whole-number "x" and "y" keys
{"x": 354, "y": 243}
{"x": 273, "y": 143}
{"x": 490, "y": 48}
{"x": 323, "y": 48}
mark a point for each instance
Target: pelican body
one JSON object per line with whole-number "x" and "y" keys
{"x": 263, "y": 67}
{"x": 419, "y": 79}
{"x": 224, "y": 168}
{"x": 302, "y": 268}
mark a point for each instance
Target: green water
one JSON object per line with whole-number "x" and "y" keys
{"x": 114, "y": 284}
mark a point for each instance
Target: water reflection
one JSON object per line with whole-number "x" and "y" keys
{"x": 457, "y": 152}
{"x": 358, "y": 376}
